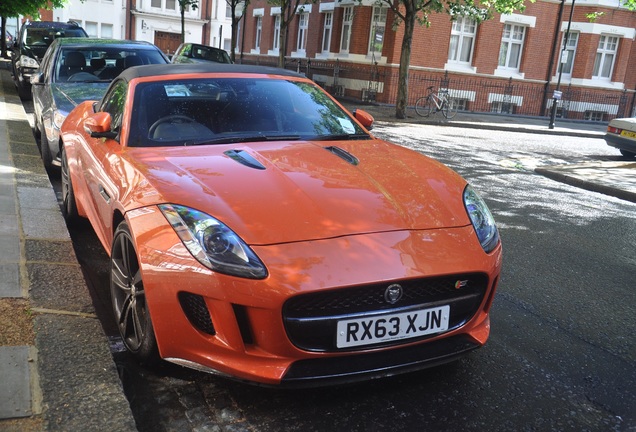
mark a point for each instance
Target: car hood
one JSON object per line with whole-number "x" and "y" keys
{"x": 68, "y": 95}
{"x": 282, "y": 192}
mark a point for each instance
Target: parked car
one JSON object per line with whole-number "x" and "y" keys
{"x": 77, "y": 69}
{"x": 31, "y": 45}
{"x": 196, "y": 53}
{"x": 256, "y": 229}
{"x": 621, "y": 133}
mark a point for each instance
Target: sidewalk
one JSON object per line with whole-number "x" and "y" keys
{"x": 57, "y": 371}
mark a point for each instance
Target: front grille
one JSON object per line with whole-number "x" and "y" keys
{"x": 197, "y": 312}
{"x": 311, "y": 319}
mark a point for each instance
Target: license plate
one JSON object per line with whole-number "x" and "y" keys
{"x": 390, "y": 327}
{"x": 628, "y": 134}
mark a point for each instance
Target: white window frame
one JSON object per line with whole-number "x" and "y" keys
{"x": 327, "y": 31}
{"x": 106, "y": 31}
{"x": 303, "y": 27}
{"x": 570, "y": 50}
{"x": 378, "y": 21}
{"x": 606, "y": 52}
{"x": 259, "y": 32}
{"x": 510, "y": 39}
{"x": 347, "y": 25}
{"x": 463, "y": 32}
{"x": 276, "y": 41}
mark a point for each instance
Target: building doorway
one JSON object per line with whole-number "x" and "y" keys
{"x": 167, "y": 42}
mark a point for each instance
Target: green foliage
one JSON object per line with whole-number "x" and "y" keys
{"x": 592, "y": 17}
{"x": 14, "y": 8}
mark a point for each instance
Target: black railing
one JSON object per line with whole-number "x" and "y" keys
{"x": 374, "y": 83}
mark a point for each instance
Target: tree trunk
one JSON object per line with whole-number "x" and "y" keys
{"x": 182, "y": 24}
{"x": 282, "y": 40}
{"x": 405, "y": 60}
{"x": 3, "y": 42}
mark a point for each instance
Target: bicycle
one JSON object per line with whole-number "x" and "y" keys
{"x": 435, "y": 102}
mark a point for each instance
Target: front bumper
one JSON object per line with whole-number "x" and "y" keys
{"x": 236, "y": 327}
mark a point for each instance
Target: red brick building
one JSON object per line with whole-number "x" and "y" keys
{"x": 509, "y": 63}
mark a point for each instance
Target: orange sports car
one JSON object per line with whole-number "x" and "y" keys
{"x": 257, "y": 230}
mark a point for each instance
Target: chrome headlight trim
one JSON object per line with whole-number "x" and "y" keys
{"x": 482, "y": 220}
{"x": 212, "y": 243}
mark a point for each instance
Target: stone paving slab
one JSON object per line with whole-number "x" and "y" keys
{"x": 15, "y": 385}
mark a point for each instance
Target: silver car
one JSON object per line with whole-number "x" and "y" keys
{"x": 74, "y": 70}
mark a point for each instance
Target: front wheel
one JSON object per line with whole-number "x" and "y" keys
{"x": 449, "y": 110}
{"x": 69, "y": 206}
{"x": 129, "y": 299}
{"x": 424, "y": 106}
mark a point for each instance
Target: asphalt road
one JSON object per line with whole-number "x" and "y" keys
{"x": 562, "y": 353}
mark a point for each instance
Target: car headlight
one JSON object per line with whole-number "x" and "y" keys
{"x": 28, "y": 62}
{"x": 212, "y": 243}
{"x": 482, "y": 220}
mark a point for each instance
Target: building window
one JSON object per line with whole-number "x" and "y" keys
{"x": 347, "y": 21}
{"x": 302, "y": 32}
{"x": 462, "y": 40}
{"x": 228, "y": 10}
{"x": 511, "y": 46}
{"x": 605, "y": 55}
{"x": 171, "y": 4}
{"x": 378, "y": 24}
{"x": 91, "y": 28}
{"x": 259, "y": 31}
{"x": 596, "y": 116}
{"x": 568, "y": 50}
{"x": 276, "y": 42}
{"x": 155, "y": 3}
{"x": 326, "y": 32}
{"x": 107, "y": 31}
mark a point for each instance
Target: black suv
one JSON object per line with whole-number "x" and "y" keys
{"x": 30, "y": 46}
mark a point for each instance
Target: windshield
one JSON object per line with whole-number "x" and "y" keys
{"x": 224, "y": 110}
{"x": 100, "y": 63}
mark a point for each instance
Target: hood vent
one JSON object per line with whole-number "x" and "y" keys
{"x": 244, "y": 158}
{"x": 343, "y": 154}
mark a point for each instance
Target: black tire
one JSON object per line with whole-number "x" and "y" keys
{"x": 128, "y": 299}
{"x": 449, "y": 110}
{"x": 45, "y": 151}
{"x": 627, "y": 153}
{"x": 24, "y": 91}
{"x": 69, "y": 206}
{"x": 424, "y": 106}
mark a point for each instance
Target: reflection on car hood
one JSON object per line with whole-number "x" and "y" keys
{"x": 69, "y": 95}
{"x": 305, "y": 192}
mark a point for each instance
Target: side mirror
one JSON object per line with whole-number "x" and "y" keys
{"x": 364, "y": 118}
{"x": 37, "y": 78}
{"x": 98, "y": 125}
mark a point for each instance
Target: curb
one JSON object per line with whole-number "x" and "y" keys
{"x": 584, "y": 184}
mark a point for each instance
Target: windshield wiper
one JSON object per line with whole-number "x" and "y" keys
{"x": 241, "y": 139}
{"x": 339, "y": 137}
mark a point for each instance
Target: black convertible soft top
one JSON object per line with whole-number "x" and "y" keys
{"x": 170, "y": 69}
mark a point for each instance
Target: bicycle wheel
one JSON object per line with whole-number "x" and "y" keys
{"x": 424, "y": 106}
{"x": 449, "y": 110}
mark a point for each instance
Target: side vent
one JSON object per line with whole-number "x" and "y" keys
{"x": 197, "y": 312}
{"x": 244, "y": 324}
{"x": 343, "y": 154}
{"x": 244, "y": 158}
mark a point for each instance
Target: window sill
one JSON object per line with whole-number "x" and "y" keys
{"x": 508, "y": 73}
{"x": 460, "y": 67}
